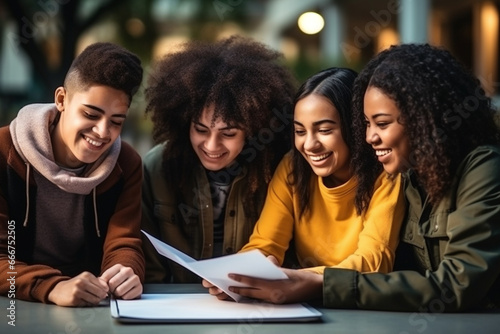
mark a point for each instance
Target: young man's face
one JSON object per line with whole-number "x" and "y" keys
{"x": 90, "y": 122}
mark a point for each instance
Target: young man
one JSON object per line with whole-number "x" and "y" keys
{"x": 70, "y": 189}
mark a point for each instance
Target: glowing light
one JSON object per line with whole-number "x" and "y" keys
{"x": 135, "y": 27}
{"x": 386, "y": 38}
{"x": 311, "y": 23}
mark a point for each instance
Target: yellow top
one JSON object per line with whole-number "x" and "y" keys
{"x": 331, "y": 234}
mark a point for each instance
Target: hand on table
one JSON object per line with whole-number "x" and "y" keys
{"x": 82, "y": 290}
{"x": 221, "y": 295}
{"x": 122, "y": 282}
{"x": 301, "y": 286}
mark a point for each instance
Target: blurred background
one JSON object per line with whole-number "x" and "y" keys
{"x": 40, "y": 38}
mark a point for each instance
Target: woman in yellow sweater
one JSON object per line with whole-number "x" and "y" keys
{"x": 314, "y": 204}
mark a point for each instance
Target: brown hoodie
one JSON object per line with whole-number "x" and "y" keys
{"x": 110, "y": 189}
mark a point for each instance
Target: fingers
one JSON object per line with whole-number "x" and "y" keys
{"x": 215, "y": 291}
{"x": 272, "y": 291}
{"x": 82, "y": 290}
{"x": 122, "y": 282}
{"x": 273, "y": 260}
{"x": 86, "y": 288}
{"x": 111, "y": 272}
{"x": 207, "y": 284}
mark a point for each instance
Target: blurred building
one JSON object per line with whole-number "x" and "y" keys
{"x": 341, "y": 33}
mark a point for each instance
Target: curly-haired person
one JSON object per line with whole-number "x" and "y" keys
{"x": 311, "y": 203}
{"x": 222, "y": 122}
{"x": 70, "y": 204}
{"x": 426, "y": 116}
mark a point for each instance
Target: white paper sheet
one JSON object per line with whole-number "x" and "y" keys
{"x": 203, "y": 307}
{"x": 215, "y": 270}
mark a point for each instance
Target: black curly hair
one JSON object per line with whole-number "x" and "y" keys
{"x": 336, "y": 85}
{"x": 248, "y": 86}
{"x": 105, "y": 64}
{"x": 442, "y": 105}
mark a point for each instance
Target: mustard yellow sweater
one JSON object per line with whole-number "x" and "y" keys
{"x": 331, "y": 234}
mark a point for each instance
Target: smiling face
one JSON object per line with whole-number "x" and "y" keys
{"x": 384, "y": 132}
{"x": 318, "y": 138}
{"x": 90, "y": 121}
{"x": 216, "y": 144}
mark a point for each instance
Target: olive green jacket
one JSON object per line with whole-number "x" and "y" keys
{"x": 185, "y": 221}
{"x": 452, "y": 257}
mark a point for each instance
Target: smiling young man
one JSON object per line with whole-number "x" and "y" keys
{"x": 70, "y": 188}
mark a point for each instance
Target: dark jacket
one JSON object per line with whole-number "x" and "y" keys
{"x": 117, "y": 205}
{"x": 183, "y": 218}
{"x": 449, "y": 256}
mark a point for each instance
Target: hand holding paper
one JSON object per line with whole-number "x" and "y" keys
{"x": 216, "y": 270}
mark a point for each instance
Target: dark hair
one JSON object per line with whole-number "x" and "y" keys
{"x": 105, "y": 64}
{"x": 442, "y": 105}
{"x": 336, "y": 85}
{"x": 247, "y": 85}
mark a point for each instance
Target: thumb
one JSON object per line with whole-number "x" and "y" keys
{"x": 273, "y": 260}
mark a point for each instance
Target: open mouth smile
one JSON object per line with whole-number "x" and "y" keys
{"x": 381, "y": 153}
{"x": 213, "y": 156}
{"x": 93, "y": 142}
{"x": 320, "y": 157}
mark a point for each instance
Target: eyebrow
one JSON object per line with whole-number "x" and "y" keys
{"x": 229, "y": 127}
{"x": 320, "y": 122}
{"x": 102, "y": 111}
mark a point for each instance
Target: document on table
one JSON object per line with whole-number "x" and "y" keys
{"x": 204, "y": 308}
{"x": 215, "y": 270}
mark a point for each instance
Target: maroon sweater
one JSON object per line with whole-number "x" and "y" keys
{"x": 118, "y": 202}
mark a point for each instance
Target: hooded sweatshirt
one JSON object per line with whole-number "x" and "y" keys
{"x": 64, "y": 221}
{"x": 59, "y": 233}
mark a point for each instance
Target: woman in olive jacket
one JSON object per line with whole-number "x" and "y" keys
{"x": 423, "y": 115}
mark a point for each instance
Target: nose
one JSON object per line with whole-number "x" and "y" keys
{"x": 372, "y": 136}
{"x": 311, "y": 142}
{"x": 212, "y": 143}
{"x": 101, "y": 129}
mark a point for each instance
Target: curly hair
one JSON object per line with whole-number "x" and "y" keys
{"x": 445, "y": 112}
{"x": 248, "y": 86}
{"x": 105, "y": 64}
{"x": 336, "y": 85}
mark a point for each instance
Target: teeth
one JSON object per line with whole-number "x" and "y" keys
{"x": 213, "y": 156}
{"x": 319, "y": 157}
{"x": 93, "y": 142}
{"x": 380, "y": 153}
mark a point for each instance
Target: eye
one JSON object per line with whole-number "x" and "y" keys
{"x": 325, "y": 131}
{"x": 229, "y": 135}
{"x": 90, "y": 116}
{"x": 382, "y": 125}
{"x": 200, "y": 129}
{"x": 117, "y": 123}
{"x": 299, "y": 132}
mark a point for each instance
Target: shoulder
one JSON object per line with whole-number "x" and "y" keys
{"x": 129, "y": 160}
{"x": 482, "y": 154}
{"x": 482, "y": 163}
{"x": 153, "y": 160}
{"x": 5, "y": 139}
{"x": 155, "y": 155}
{"x": 128, "y": 153}
{"x": 8, "y": 152}
{"x": 285, "y": 164}
{"x": 387, "y": 184}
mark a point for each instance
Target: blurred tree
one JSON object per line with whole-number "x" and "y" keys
{"x": 49, "y": 30}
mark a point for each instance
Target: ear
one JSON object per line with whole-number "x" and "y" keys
{"x": 59, "y": 98}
